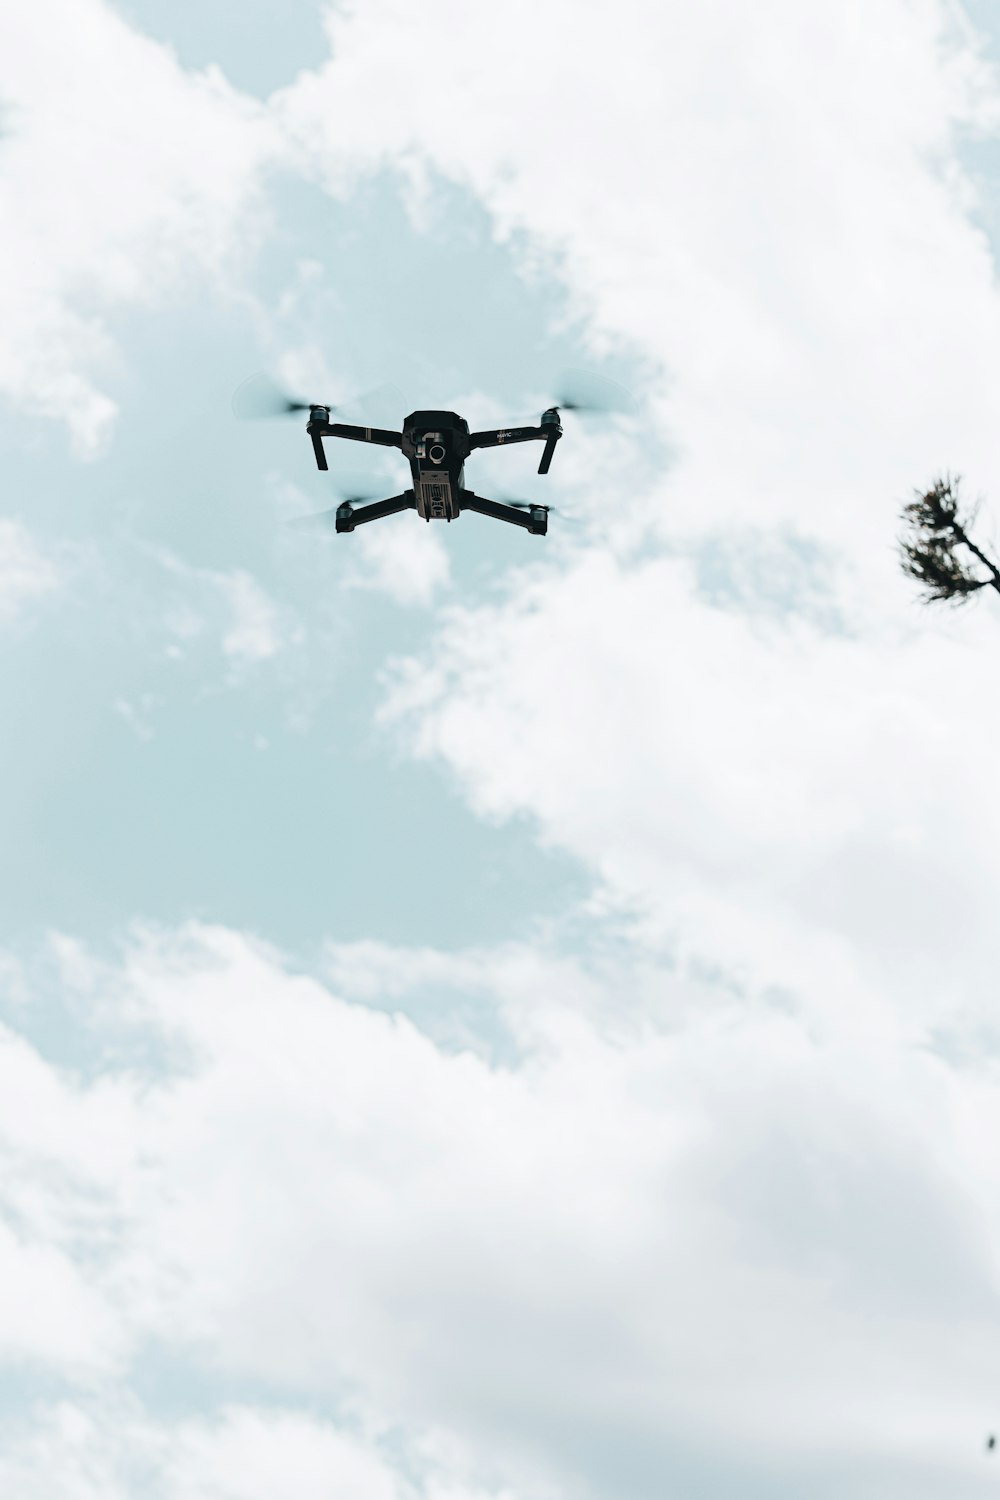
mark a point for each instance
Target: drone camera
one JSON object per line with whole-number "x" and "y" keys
{"x": 436, "y": 452}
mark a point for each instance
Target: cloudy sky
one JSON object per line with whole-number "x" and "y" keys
{"x": 485, "y": 1018}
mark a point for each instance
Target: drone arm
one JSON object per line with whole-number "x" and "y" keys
{"x": 349, "y": 516}
{"x": 318, "y": 428}
{"x": 499, "y": 437}
{"x": 549, "y": 431}
{"x": 363, "y": 434}
{"x": 534, "y": 518}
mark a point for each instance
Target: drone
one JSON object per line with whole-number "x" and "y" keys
{"x": 437, "y": 444}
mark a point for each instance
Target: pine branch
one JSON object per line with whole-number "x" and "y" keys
{"x": 927, "y": 552}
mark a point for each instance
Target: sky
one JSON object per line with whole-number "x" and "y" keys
{"x": 486, "y": 1017}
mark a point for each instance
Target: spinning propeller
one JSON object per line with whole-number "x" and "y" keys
{"x": 589, "y": 394}
{"x": 352, "y": 490}
{"x": 260, "y": 397}
{"x": 553, "y": 510}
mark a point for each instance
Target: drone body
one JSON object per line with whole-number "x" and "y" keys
{"x": 437, "y": 443}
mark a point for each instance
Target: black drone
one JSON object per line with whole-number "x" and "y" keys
{"x": 436, "y": 443}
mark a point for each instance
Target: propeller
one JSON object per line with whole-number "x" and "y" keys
{"x": 553, "y": 510}
{"x": 349, "y": 492}
{"x": 590, "y": 394}
{"x": 260, "y": 397}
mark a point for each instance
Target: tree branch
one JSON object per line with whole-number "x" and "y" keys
{"x": 928, "y": 554}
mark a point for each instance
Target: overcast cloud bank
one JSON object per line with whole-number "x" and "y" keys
{"x": 707, "y": 1202}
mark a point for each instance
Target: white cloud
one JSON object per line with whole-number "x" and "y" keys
{"x": 814, "y": 808}
{"x": 764, "y": 205}
{"x": 674, "y": 1230}
{"x": 49, "y": 1315}
{"x": 253, "y": 635}
{"x": 409, "y": 565}
{"x": 137, "y": 715}
{"x": 95, "y": 1452}
{"x": 56, "y": 1151}
{"x": 768, "y": 207}
{"x": 120, "y": 175}
{"x": 254, "y": 1455}
{"x": 26, "y": 572}
{"x": 710, "y": 1232}
{"x": 762, "y": 202}
{"x": 232, "y": 608}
